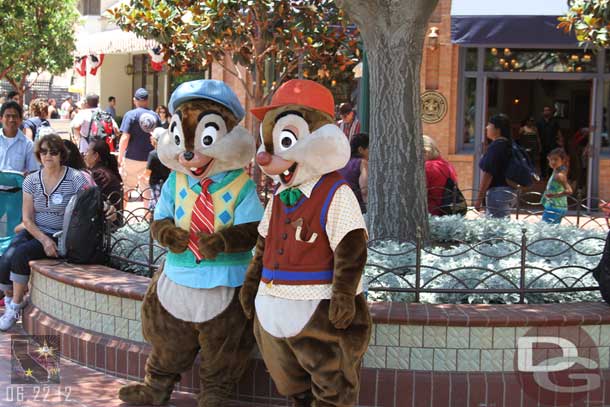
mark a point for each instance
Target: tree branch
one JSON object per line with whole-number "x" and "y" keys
{"x": 238, "y": 75}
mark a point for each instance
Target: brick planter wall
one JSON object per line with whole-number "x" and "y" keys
{"x": 421, "y": 355}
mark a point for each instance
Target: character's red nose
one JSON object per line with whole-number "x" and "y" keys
{"x": 263, "y": 158}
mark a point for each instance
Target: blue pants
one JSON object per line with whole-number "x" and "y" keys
{"x": 499, "y": 201}
{"x": 14, "y": 263}
{"x": 553, "y": 215}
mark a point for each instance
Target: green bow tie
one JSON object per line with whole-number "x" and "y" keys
{"x": 290, "y": 196}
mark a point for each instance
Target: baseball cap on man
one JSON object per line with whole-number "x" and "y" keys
{"x": 345, "y": 108}
{"x": 141, "y": 94}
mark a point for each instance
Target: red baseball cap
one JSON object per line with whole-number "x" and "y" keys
{"x": 300, "y": 92}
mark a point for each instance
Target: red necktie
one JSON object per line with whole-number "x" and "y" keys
{"x": 202, "y": 218}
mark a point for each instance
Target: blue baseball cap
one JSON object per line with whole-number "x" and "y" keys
{"x": 211, "y": 89}
{"x": 141, "y": 94}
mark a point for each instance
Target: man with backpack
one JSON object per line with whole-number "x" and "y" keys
{"x": 92, "y": 123}
{"x": 494, "y": 188}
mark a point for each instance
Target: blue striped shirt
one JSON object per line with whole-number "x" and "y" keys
{"x": 49, "y": 206}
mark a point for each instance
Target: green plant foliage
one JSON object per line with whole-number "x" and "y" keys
{"x": 266, "y": 37}
{"x": 36, "y": 36}
{"x": 590, "y": 21}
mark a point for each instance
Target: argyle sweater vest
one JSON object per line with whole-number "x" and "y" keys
{"x": 225, "y": 197}
{"x": 297, "y": 249}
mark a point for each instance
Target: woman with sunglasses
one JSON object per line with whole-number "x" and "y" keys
{"x": 163, "y": 115}
{"x": 46, "y": 194}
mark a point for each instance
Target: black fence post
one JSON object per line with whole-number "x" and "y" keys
{"x": 522, "y": 266}
{"x": 151, "y": 253}
{"x": 578, "y": 206}
{"x": 518, "y": 203}
{"x": 418, "y": 248}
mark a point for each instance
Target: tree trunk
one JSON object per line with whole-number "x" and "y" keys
{"x": 393, "y": 32}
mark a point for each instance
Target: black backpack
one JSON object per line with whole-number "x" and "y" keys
{"x": 82, "y": 237}
{"x": 453, "y": 203}
{"x": 602, "y": 272}
{"x": 101, "y": 126}
{"x": 520, "y": 169}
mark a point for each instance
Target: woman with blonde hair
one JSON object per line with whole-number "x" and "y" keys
{"x": 438, "y": 171}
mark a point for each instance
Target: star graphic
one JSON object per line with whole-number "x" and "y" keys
{"x": 45, "y": 350}
{"x": 28, "y": 373}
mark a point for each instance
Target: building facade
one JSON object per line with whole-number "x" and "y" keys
{"x": 490, "y": 56}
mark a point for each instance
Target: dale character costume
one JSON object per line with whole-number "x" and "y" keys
{"x": 310, "y": 254}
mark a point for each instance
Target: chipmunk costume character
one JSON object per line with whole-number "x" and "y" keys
{"x": 304, "y": 284}
{"x": 207, "y": 217}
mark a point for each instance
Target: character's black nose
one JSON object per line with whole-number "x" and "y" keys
{"x": 188, "y": 155}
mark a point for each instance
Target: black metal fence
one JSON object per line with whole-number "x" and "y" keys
{"x": 543, "y": 266}
{"x": 414, "y": 267}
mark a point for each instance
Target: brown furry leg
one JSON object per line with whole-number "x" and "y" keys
{"x": 289, "y": 377}
{"x": 226, "y": 346}
{"x": 174, "y": 347}
{"x": 333, "y": 356}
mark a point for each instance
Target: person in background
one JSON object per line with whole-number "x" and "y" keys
{"x": 356, "y": 170}
{"x": 39, "y": 110}
{"x": 438, "y": 170}
{"x": 105, "y": 171}
{"x": 12, "y": 95}
{"x": 555, "y": 198}
{"x": 46, "y": 194}
{"x": 163, "y": 116}
{"x": 349, "y": 123}
{"x": 548, "y": 127}
{"x": 52, "y": 112}
{"x": 16, "y": 150}
{"x": 156, "y": 172}
{"x": 66, "y": 108}
{"x": 111, "y": 109}
{"x": 494, "y": 189}
{"x": 82, "y": 122}
{"x": 529, "y": 139}
{"x": 135, "y": 145}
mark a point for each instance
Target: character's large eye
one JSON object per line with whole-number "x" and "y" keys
{"x": 288, "y": 131}
{"x": 210, "y": 129}
{"x": 287, "y": 139}
{"x": 209, "y": 134}
{"x": 175, "y": 128}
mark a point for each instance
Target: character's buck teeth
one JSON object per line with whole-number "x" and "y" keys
{"x": 286, "y": 172}
{"x": 194, "y": 168}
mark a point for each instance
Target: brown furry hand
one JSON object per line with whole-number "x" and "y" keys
{"x": 342, "y": 310}
{"x": 210, "y": 245}
{"x": 168, "y": 235}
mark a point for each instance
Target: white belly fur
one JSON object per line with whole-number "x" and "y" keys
{"x": 193, "y": 304}
{"x": 284, "y": 318}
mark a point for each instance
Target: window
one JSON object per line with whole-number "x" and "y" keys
{"x": 469, "y": 106}
{"x": 89, "y": 7}
{"x": 605, "y": 142}
{"x": 539, "y": 60}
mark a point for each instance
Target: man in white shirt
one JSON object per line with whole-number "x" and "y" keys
{"x": 16, "y": 150}
{"x": 82, "y": 122}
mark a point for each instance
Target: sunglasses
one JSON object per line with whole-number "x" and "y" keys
{"x": 44, "y": 151}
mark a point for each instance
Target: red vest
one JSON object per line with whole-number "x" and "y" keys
{"x": 297, "y": 250}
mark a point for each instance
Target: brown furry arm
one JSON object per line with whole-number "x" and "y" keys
{"x": 169, "y": 235}
{"x": 350, "y": 258}
{"x": 253, "y": 277}
{"x": 234, "y": 239}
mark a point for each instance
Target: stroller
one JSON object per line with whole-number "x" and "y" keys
{"x": 11, "y": 201}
